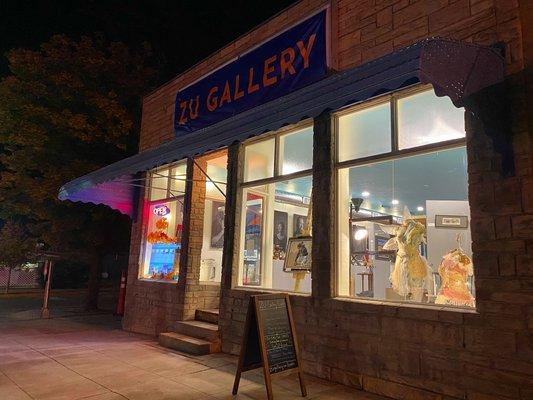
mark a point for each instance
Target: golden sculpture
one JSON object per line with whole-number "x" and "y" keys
{"x": 411, "y": 275}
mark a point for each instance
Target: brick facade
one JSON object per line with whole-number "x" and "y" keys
{"x": 402, "y": 351}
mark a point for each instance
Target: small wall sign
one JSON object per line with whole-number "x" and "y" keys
{"x": 451, "y": 221}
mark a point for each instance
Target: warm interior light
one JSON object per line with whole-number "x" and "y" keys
{"x": 365, "y": 194}
{"x": 209, "y": 186}
{"x": 360, "y": 234}
{"x": 289, "y": 168}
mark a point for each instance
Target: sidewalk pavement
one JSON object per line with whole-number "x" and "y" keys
{"x": 90, "y": 357}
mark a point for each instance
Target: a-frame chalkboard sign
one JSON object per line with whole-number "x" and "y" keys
{"x": 269, "y": 341}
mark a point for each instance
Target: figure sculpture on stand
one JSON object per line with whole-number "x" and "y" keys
{"x": 411, "y": 275}
{"x": 454, "y": 270}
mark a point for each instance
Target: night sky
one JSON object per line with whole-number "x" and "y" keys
{"x": 180, "y": 32}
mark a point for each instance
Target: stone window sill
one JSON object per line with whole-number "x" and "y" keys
{"x": 209, "y": 283}
{"x": 260, "y": 290}
{"x": 406, "y": 304}
{"x": 156, "y": 280}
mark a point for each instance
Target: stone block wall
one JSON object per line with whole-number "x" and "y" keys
{"x": 196, "y": 294}
{"x": 360, "y": 31}
{"x": 154, "y": 307}
{"x": 150, "y": 307}
{"x": 410, "y": 352}
{"x": 401, "y": 351}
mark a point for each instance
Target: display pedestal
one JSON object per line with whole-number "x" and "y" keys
{"x": 298, "y": 277}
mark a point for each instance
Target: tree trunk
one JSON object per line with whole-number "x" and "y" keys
{"x": 8, "y": 283}
{"x": 93, "y": 286}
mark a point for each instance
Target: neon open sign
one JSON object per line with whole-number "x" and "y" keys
{"x": 161, "y": 210}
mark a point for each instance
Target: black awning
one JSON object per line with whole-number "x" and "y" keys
{"x": 455, "y": 69}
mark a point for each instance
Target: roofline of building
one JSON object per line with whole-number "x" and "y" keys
{"x": 153, "y": 91}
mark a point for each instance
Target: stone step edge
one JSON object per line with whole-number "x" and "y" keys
{"x": 198, "y": 329}
{"x": 188, "y": 344}
{"x": 209, "y": 316}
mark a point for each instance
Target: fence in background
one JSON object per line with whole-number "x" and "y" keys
{"x": 20, "y": 278}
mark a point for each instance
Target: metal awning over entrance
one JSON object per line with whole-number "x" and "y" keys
{"x": 455, "y": 69}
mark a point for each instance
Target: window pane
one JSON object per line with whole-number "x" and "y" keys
{"x": 158, "y": 184}
{"x": 214, "y": 213}
{"x": 177, "y": 180}
{"x": 163, "y": 240}
{"x": 296, "y": 150}
{"x": 259, "y": 160}
{"x": 253, "y": 234}
{"x": 425, "y": 118}
{"x": 217, "y": 169}
{"x": 271, "y": 219}
{"x": 365, "y": 133}
{"x": 409, "y": 236}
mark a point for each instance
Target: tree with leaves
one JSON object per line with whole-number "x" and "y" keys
{"x": 15, "y": 247}
{"x": 67, "y": 109}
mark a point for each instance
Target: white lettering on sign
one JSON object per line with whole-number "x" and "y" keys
{"x": 161, "y": 210}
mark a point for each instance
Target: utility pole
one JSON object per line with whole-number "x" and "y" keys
{"x": 48, "y": 265}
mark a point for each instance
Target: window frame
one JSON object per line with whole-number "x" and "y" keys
{"x": 254, "y": 188}
{"x": 394, "y": 154}
{"x": 277, "y": 175}
{"x": 149, "y": 201}
{"x": 154, "y": 172}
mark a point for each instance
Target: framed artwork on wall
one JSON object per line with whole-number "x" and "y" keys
{"x": 380, "y": 253}
{"x": 298, "y": 254}
{"x": 280, "y": 235}
{"x": 217, "y": 225}
{"x": 298, "y": 224}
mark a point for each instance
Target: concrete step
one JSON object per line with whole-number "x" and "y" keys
{"x": 198, "y": 329}
{"x": 210, "y": 316}
{"x": 187, "y": 344}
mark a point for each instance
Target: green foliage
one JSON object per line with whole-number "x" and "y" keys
{"x": 67, "y": 109}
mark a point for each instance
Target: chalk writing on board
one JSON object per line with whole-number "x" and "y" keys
{"x": 279, "y": 342}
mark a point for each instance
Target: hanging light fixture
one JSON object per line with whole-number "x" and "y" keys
{"x": 360, "y": 233}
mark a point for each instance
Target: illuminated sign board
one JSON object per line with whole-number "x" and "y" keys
{"x": 161, "y": 210}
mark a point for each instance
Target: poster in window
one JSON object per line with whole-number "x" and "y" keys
{"x": 280, "y": 234}
{"x": 217, "y": 225}
{"x": 298, "y": 223}
{"x": 252, "y": 245}
{"x": 380, "y": 253}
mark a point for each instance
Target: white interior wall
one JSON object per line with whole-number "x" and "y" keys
{"x": 214, "y": 254}
{"x": 285, "y": 280}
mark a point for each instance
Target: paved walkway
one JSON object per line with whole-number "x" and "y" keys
{"x": 89, "y": 357}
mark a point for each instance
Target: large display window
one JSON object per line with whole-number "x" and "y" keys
{"x": 215, "y": 168}
{"x": 403, "y": 216}
{"x": 163, "y": 221}
{"x": 275, "y": 248}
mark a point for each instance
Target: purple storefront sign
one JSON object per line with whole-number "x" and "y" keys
{"x": 289, "y": 61}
